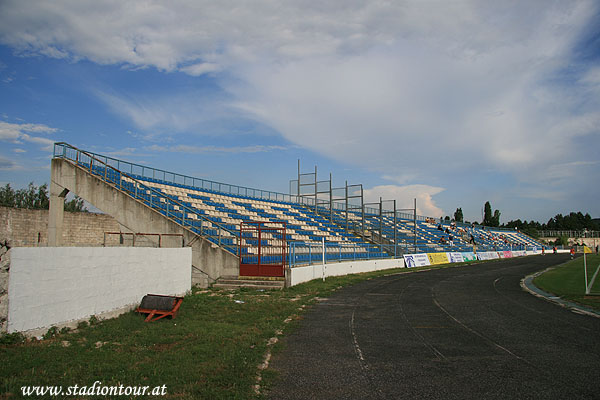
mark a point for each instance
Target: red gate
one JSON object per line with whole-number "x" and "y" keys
{"x": 262, "y": 248}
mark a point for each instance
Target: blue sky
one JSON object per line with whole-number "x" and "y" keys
{"x": 455, "y": 103}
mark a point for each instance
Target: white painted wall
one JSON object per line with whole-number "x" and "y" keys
{"x": 52, "y": 285}
{"x": 304, "y": 274}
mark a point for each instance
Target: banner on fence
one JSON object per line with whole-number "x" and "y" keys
{"x": 438, "y": 258}
{"x": 519, "y": 253}
{"x": 469, "y": 256}
{"x": 416, "y": 260}
{"x": 487, "y": 255}
{"x": 455, "y": 257}
{"x": 507, "y": 254}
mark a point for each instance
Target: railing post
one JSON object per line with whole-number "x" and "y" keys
{"x": 309, "y": 254}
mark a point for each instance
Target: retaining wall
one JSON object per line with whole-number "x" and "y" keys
{"x": 50, "y": 286}
{"x": 4, "y": 268}
{"x": 299, "y": 275}
{"x": 29, "y": 228}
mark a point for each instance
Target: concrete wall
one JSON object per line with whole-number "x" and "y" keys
{"x": 4, "y": 268}
{"x": 299, "y": 275}
{"x": 208, "y": 260}
{"x": 27, "y": 228}
{"x": 53, "y": 285}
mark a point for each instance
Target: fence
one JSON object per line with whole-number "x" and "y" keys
{"x": 571, "y": 234}
{"x": 302, "y": 253}
{"x": 145, "y": 243}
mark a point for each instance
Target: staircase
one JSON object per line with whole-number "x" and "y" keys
{"x": 249, "y": 282}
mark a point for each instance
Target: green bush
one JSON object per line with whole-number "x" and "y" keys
{"x": 11, "y": 338}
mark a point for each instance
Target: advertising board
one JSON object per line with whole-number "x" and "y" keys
{"x": 416, "y": 260}
{"x": 455, "y": 257}
{"x": 438, "y": 258}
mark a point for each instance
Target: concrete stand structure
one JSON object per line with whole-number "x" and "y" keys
{"x": 209, "y": 262}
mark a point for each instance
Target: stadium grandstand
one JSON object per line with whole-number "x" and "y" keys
{"x": 259, "y": 226}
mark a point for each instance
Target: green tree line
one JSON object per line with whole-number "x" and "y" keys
{"x": 574, "y": 221}
{"x": 35, "y": 198}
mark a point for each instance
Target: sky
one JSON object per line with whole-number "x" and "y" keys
{"x": 454, "y": 103}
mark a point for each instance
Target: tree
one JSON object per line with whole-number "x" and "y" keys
{"x": 75, "y": 205}
{"x": 458, "y": 215}
{"x": 7, "y": 196}
{"x": 487, "y": 214}
{"x": 490, "y": 219}
{"x": 35, "y": 198}
{"x": 496, "y": 218}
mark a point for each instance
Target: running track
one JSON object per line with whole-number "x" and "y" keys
{"x": 466, "y": 332}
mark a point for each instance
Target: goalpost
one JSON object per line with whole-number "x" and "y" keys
{"x": 588, "y": 286}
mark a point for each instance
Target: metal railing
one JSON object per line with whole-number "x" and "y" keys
{"x": 157, "y": 200}
{"x": 571, "y": 234}
{"x": 308, "y": 253}
{"x": 135, "y": 235}
{"x": 62, "y": 149}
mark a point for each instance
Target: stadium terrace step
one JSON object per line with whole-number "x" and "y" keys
{"x": 247, "y": 282}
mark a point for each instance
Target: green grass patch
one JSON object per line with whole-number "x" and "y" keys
{"x": 568, "y": 281}
{"x": 210, "y": 351}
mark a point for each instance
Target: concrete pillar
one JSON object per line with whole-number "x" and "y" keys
{"x": 55, "y": 217}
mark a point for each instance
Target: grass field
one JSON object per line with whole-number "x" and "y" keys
{"x": 567, "y": 281}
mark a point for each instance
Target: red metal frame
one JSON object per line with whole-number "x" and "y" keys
{"x": 161, "y": 313}
{"x": 262, "y": 249}
{"x": 133, "y": 235}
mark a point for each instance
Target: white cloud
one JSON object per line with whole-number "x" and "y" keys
{"x": 214, "y": 149}
{"x": 172, "y": 113}
{"x": 200, "y": 69}
{"x": 7, "y": 164}
{"x": 15, "y": 133}
{"x": 410, "y": 89}
{"x": 405, "y": 195}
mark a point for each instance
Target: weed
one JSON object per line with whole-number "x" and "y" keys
{"x": 53, "y": 331}
{"x": 11, "y": 338}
